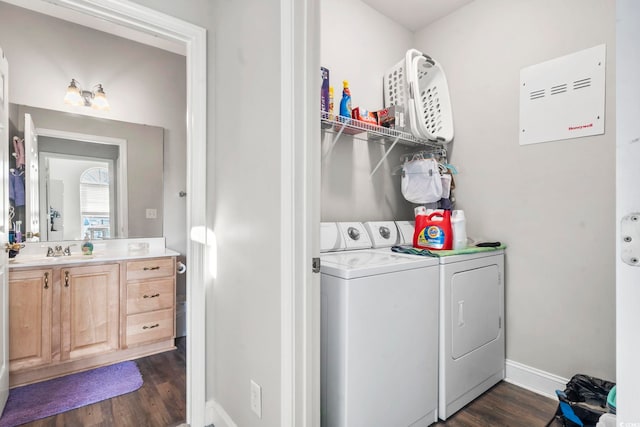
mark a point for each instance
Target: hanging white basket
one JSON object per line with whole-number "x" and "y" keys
{"x": 418, "y": 86}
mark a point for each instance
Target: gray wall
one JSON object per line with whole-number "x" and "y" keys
{"x": 247, "y": 207}
{"x": 551, "y": 203}
{"x": 144, "y": 158}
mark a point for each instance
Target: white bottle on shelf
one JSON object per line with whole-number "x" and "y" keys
{"x": 459, "y": 227}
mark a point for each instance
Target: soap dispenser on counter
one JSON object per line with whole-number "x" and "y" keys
{"x": 87, "y": 246}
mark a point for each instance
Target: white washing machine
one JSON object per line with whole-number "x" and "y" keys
{"x": 472, "y": 349}
{"x": 405, "y": 232}
{"x": 383, "y": 234}
{"x": 379, "y": 335}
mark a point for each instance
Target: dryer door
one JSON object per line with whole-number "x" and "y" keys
{"x": 475, "y": 309}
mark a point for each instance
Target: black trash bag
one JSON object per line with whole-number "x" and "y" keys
{"x": 582, "y": 402}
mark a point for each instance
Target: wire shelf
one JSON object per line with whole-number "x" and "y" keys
{"x": 344, "y": 125}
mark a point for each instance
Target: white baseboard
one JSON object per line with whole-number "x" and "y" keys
{"x": 217, "y": 416}
{"x": 533, "y": 379}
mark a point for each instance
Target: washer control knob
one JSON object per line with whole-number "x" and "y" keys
{"x": 353, "y": 233}
{"x": 385, "y": 232}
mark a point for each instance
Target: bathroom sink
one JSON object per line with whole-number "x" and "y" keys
{"x": 74, "y": 257}
{"x": 39, "y": 260}
{"x": 30, "y": 260}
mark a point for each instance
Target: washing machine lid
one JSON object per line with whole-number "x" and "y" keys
{"x": 368, "y": 262}
{"x": 330, "y": 237}
{"x": 355, "y": 235}
{"x": 383, "y": 234}
{"x": 405, "y": 232}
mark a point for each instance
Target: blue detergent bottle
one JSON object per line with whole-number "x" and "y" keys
{"x": 345, "y": 102}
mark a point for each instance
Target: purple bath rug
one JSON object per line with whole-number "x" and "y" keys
{"x": 32, "y": 402}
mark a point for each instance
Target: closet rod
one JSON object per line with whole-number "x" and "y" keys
{"x": 441, "y": 152}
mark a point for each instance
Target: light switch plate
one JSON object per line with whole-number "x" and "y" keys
{"x": 256, "y": 399}
{"x": 152, "y": 213}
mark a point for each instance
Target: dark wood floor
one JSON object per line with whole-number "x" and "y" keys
{"x": 505, "y": 405}
{"x": 160, "y": 402}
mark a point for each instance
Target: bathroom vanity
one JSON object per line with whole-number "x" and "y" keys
{"x": 75, "y": 312}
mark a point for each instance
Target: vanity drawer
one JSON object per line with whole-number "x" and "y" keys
{"x": 150, "y": 268}
{"x": 149, "y": 295}
{"x": 152, "y": 326}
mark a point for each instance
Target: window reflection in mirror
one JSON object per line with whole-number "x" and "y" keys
{"x": 95, "y": 211}
{"x": 77, "y": 197}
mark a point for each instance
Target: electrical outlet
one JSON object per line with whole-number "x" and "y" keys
{"x": 152, "y": 213}
{"x": 256, "y": 399}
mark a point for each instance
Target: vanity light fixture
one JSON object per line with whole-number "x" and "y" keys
{"x": 95, "y": 98}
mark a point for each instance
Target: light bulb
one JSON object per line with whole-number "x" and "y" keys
{"x": 99, "y": 101}
{"x": 73, "y": 96}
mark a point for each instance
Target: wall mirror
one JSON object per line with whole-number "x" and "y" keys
{"x": 84, "y": 176}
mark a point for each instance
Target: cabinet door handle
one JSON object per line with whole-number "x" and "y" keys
{"x": 151, "y": 268}
{"x": 46, "y": 280}
{"x": 151, "y": 296}
{"x": 66, "y": 279}
{"x": 151, "y": 327}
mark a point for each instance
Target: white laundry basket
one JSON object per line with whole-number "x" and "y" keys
{"x": 418, "y": 85}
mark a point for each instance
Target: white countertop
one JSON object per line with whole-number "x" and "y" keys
{"x": 34, "y": 254}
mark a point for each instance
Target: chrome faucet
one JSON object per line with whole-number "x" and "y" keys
{"x": 57, "y": 250}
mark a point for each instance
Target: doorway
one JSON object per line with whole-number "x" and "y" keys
{"x": 193, "y": 40}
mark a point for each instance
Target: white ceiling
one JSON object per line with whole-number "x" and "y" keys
{"x": 411, "y": 14}
{"x": 416, "y": 14}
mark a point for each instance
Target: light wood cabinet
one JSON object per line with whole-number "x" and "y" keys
{"x": 30, "y": 302}
{"x": 70, "y": 318}
{"x": 151, "y": 301}
{"x": 90, "y": 308}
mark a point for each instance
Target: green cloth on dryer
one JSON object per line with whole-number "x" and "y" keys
{"x": 442, "y": 253}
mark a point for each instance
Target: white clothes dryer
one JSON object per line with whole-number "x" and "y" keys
{"x": 472, "y": 348}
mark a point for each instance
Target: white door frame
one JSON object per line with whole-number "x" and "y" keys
{"x": 300, "y": 219}
{"x": 627, "y": 202}
{"x": 4, "y": 211}
{"x": 140, "y": 18}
